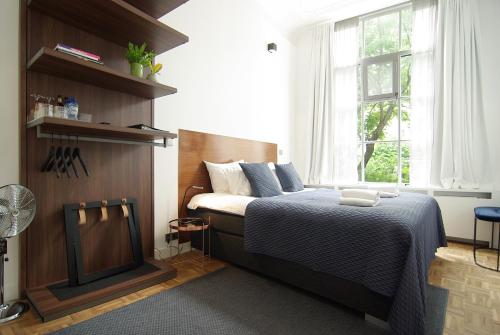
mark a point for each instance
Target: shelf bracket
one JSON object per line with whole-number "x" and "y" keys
{"x": 40, "y": 134}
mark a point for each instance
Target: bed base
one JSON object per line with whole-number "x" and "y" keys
{"x": 229, "y": 247}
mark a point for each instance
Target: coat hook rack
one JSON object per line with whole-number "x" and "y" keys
{"x": 53, "y": 128}
{"x": 163, "y": 144}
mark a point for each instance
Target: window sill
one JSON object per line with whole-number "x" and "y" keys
{"x": 432, "y": 191}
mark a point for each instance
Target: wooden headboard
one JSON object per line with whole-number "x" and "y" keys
{"x": 195, "y": 147}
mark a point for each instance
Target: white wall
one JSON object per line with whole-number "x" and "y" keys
{"x": 9, "y": 126}
{"x": 228, "y": 84}
{"x": 457, "y": 212}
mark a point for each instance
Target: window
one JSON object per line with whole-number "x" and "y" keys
{"x": 384, "y": 105}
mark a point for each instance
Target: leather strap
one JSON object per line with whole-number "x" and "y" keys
{"x": 104, "y": 210}
{"x": 124, "y": 208}
{"x": 81, "y": 214}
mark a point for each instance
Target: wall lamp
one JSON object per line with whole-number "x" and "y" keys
{"x": 272, "y": 47}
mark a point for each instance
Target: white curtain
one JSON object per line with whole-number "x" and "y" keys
{"x": 333, "y": 156}
{"x": 320, "y": 161}
{"x": 460, "y": 150}
{"x": 422, "y": 90}
{"x": 345, "y": 141}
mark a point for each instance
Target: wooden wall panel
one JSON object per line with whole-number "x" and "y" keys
{"x": 117, "y": 170}
{"x": 195, "y": 147}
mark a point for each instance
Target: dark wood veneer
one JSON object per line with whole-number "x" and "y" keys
{"x": 156, "y": 8}
{"x": 116, "y": 170}
{"x": 114, "y": 20}
{"x": 59, "y": 64}
{"x": 195, "y": 147}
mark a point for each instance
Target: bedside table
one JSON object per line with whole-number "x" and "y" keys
{"x": 191, "y": 225}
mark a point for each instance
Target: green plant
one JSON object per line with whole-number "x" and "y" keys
{"x": 154, "y": 68}
{"x": 138, "y": 54}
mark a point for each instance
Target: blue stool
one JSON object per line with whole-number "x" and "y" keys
{"x": 491, "y": 214}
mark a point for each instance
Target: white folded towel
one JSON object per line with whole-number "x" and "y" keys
{"x": 384, "y": 194}
{"x": 365, "y": 194}
{"x": 388, "y": 192}
{"x": 358, "y": 202}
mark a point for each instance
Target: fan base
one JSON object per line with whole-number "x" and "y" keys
{"x": 12, "y": 311}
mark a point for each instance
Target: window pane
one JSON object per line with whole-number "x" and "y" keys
{"x": 405, "y": 118}
{"x": 405, "y": 72}
{"x": 406, "y": 27}
{"x": 405, "y": 163}
{"x": 381, "y": 35}
{"x": 381, "y": 121}
{"x": 381, "y": 162}
{"x": 379, "y": 79}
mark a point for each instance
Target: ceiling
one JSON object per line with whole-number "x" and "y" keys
{"x": 292, "y": 15}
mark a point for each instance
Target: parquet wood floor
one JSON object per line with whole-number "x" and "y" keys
{"x": 473, "y": 305}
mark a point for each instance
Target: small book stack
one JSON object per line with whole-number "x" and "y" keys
{"x": 78, "y": 53}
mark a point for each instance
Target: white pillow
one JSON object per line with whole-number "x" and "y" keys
{"x": 238, "y": 182}
{"x": 273, "y": 170}
{"x": 218, "y": 175}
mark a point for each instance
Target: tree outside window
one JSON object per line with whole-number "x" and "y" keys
{"x": 384, "y": 112}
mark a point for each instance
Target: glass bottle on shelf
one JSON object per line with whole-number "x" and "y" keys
{"x": 38, "y": 107}
{"x": 71, "y": 106}
{"x": 59, "y": 110}
{"x": 49, "y": 107}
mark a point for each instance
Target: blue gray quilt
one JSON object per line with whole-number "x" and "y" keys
{"x": 387, "y": 248}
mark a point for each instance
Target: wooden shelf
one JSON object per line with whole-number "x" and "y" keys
{"x": 156, "y": 8}
{"x": 65, "y": 66}
{"x": 103, "y": 132}
{"x": 113, "y": 20}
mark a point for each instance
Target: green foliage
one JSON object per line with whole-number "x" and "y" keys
{"x": 138, "y": 54}
{"x": 154, "y": 69}
{"x": 381, "y": 35}
{"x": 383, "y": 165}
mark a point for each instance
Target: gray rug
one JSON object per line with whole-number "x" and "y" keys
{"x": 234, "y": 301}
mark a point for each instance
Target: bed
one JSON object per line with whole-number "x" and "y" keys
{"x": 374, "y": 260}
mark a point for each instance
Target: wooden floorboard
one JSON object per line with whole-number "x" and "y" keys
{"x": 473, "y": 305}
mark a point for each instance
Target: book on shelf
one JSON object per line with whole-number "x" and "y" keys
{"x": 78, "y": 53}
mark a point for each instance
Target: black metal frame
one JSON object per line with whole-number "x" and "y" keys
{"x": 475, "y": 247}
{"x": 76, "y": 273}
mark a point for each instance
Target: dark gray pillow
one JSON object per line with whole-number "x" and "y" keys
{"x": 261, "y": 180}
{"x": 289, "y": 178}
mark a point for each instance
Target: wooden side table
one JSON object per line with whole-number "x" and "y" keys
{"x": 191, "y": 225}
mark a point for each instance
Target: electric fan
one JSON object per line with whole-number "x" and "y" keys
{"x": 17, "y": 210}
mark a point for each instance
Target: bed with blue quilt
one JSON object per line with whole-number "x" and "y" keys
{"x": 372, "y": 259}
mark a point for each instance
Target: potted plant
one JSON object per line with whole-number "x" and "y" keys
{"x": 138, "y": 57}
{"x": 154, "y": 70}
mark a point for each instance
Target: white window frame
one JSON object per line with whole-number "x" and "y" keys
{"x": 394, "y": 95}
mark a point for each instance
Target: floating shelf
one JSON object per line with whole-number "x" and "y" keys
{"x": 65, "y": 66}
{"x": 51, "y": 127}
{"x": 114, "y": 20}
{"x": 156, "y": 8}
